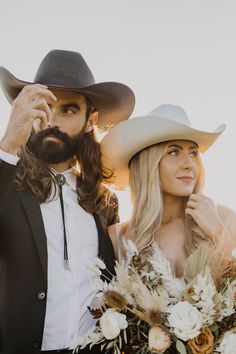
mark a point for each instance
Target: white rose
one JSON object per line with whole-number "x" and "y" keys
{"x": 186, "y": 320}
{"x": 111, "y": 323}
{"x": 228, "y": 344}
{"x": 158, "y": 340}
{"x": 233, "y": 253}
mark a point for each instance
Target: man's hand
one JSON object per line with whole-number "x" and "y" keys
{"x": 204, "y": 212}
{"x": 31, "y": 104}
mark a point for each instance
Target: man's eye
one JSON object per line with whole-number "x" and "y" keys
{"x": 69, "y": 110}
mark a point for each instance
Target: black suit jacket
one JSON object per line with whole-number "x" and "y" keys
{"x": 23, "y": 272}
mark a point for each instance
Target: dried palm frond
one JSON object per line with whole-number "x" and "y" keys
{"x": 196, "y": 263}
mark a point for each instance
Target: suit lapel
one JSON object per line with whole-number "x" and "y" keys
{"x": 34, "y": 216}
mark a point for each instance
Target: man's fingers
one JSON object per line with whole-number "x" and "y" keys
{"x": 29, "y": 89}
{"x": 41, "y": 115}
{"x": 31, "y": 92}
{"x": 41, "y": 103}
{"x": 47, "y": 94}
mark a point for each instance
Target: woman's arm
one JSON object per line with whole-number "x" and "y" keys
{"x": 114, "y": 238}
{"x": 228, "y": 217}
{"x": 117, "y": 233}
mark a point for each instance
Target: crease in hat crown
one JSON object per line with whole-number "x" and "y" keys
{"x": 64, "y": 67}
{"x": 172, "y": 112}
{"x": 68, "y": 70}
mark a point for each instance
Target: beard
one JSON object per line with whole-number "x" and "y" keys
{"x": 51, "y": 151}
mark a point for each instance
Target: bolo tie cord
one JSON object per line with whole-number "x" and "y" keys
{"x": 61, "y": 180}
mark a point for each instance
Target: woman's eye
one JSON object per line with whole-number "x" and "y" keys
{"x": 173, "y": 152}
{"x": 194, "y": 153}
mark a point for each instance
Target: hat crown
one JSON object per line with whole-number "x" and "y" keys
{"x": 64, "y": 68}
{"x": 172, "y": 112}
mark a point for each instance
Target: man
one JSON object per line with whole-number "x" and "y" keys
{"x": 54, "y": 218}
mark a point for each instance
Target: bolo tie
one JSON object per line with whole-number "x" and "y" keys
{"x": 61, "y": 180}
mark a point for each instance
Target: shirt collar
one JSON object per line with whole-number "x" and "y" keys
{"x": 70, "y": 177}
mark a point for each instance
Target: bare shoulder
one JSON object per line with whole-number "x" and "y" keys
{"x": 228, "y": 217}
{"x": 112, "y": 231}
{"x": 117, "y": 231}
{"x": 226, "y": 213}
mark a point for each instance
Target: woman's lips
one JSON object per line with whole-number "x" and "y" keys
{"x": 186, "y": 179}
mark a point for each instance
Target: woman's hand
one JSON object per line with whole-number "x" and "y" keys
{"x": 204, "y": 212}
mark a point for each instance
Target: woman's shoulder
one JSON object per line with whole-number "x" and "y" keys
{"x": 226, "y": 213}
{"x": 118, "y": 228}
{"x": 228, "y": 217}
{"x": 117, "y": 232}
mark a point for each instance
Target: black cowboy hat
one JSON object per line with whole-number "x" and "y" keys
{"x": 67, "y": 70}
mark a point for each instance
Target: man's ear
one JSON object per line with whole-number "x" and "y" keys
{"x": 93, "y": 118}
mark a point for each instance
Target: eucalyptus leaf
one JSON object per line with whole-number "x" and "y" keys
{"x": 91, "y": 345}
{"x": 120, "y": 342}
{"x": 214, "y": 327}
{"x": 125, "y": 336}
{"x": 110, "y": 345}
{"x": 181, "y": 347}
{"x": 102, "y": 346}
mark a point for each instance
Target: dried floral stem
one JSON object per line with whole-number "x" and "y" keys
{"x": 139, "y": 314}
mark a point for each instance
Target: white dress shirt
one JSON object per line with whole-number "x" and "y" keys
{"x": 71, "y": 290}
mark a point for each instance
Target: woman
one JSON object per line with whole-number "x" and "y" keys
{"x": 158, "y": 155}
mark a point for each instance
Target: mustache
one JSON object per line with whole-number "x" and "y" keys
{"x": 41, "y": 135}
{"x": 52, "y": 132}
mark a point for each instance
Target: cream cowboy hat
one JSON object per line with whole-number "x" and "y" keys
{"x": 164, "y": 123}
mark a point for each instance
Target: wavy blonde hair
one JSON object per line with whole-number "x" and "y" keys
{"x": 147, "y": 199}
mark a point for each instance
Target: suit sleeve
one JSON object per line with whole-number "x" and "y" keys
{"x": 7, "y": 176}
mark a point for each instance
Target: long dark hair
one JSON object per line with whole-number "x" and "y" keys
{"x": 34, "y": 174}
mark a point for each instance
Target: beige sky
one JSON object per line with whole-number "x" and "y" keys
{"x": 169, "y": 51}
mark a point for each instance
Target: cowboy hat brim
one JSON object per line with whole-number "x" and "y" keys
{"x": 114, "y": 101}
{"x": 122, "y": 142}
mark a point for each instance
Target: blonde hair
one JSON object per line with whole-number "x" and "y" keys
{"x": 147, "y": 199}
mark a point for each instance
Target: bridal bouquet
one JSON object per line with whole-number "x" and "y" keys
{"x": 146, "y": 309}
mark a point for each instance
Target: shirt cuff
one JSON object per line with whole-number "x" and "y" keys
{"x": 9, "y": 158}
